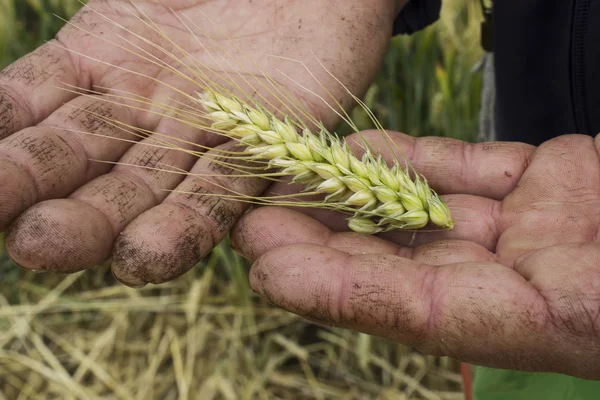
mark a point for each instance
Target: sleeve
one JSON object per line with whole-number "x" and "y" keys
{"x": 416, "y": 15}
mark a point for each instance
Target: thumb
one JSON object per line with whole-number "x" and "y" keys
{"x": 478, "y": 312}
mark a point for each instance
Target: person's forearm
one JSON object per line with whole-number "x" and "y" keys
{"x": 388, "y": 8}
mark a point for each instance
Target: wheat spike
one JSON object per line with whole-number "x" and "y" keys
{"x": 381, "y": 198}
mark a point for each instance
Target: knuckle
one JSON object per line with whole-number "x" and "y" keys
{"x": 46, "y": 149}
{"x": 218, "y": 212}
{"x": 18, "y": 191}
{"x": 93, "y": 115}
{"x": 149, "y": 158}
{"x": 120, "y": 197}
{"x": 56, "y": 166}
{"x": 10, "y": 117}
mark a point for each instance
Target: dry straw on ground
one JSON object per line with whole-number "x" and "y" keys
{"x": 204, "y": 336}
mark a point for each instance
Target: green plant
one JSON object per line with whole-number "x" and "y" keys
{"x": 24, "y": 25}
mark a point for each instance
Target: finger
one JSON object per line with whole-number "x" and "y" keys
{"x": 28, "y": 87}
{"x": 477, "y": 219}
{"x": 453, "y": 166}
{"x": 169, "y": 239}
{"x": 52, "y": 159}
{"x": 334, "y": 220}
{"x": 482, "y": 313}
{"x": 268, "y": 228}
{"x": 110, "y": 202}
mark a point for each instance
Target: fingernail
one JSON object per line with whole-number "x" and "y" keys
{"x": 35, "y": 271}
{"x": 138, "y": 284}
{"x": 233, "y": 246}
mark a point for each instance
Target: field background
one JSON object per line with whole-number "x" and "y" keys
{"x": 206, "y": 335}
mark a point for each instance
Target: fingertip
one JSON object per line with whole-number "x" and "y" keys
{"x": 282, "y": 262}
{"x": 268, "y": 228}
{"x": 127, "y": 278}
{"x": 160, "y": 245}
{"x": 477, "y": 220}
{"x": 59, "y": 235}
{"x": 301, "y": 278}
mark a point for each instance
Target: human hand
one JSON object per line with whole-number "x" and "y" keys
{"x": 65, "y": 213}
{"x": 515, "y": 285}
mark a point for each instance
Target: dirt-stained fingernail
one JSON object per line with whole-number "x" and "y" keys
{"x": 35, "y": 271}
{"x": 233, "y": 245}
{"x": 128, "y": 280}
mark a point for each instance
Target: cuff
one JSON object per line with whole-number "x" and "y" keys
{"x": 416, "y": 15}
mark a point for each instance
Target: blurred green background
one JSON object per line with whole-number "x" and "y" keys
{"x": 206, "y": 335}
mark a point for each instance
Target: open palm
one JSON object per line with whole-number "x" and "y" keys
{"x": 515, "y": 285}
{"x": 66, "y": 213}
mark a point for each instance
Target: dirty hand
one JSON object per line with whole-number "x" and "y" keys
{"x": 516, "y": 284}
{"x": 64, "y": 212}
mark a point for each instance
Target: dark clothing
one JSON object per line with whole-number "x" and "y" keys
{"x": 547, "y": 63}
{"x": 416, "y": 15}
